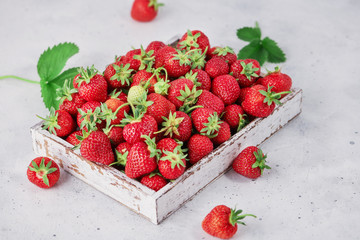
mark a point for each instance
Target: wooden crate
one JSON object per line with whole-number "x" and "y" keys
{"x": 156, "y": 206}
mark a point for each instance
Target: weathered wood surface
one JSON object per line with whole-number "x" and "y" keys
{"x": 156, "y": 206}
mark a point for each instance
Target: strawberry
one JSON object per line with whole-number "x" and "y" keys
{"x": 260, "y": 102}
{"x": 121, "y": 154}
{"x": 115, "y": 134}
{"x": 175, "y": 62}
{"x": 43, "y": 172}
{"x": 142, "y": 158}
{"x": 155, "y": 46}
{"x": 139, "y": 59}
{"x": 137, "y": 126}
{"x": 115, "y": 106}
{"x": 142, "y": 77}
{"x": 250, "y": 162}
{"x": 200, "y": 79}
{"x": 176, "y": 89}
{"x": 209, "y": 100}
{"x": 194, "y": 39}
{"x": 245, "y": 71}
{"x": 97, "y": 148}
{"x": 199, "y": 146}
{"x": 234, "y": 115}
{"x": 160, "y": 107}
{"x": 172, "y": 162}
{"x": 216, "y": 66}
{"x": 206, "y": 121}
{"x": 226, "y": 88}
{"x": 117, "y": 75}
{"x": 227, "y": 53}
{"x": 279, "y": 81}
{"x": 73, "y": 137}
{"x": 160, "y": 55}
{"x": 92, "y": 86}
{"x": 145, "y": 10}
{"x": 89, "y": 118}
{"x": 75, "y": 84}
{"x": 69, "y": 98}
{"x": 223, "y": 134}
{"x": 59, "y": 123}
{"x": 242, "y": 95}
{"x": 177, "y": 125}
{"x": 222, "y": 221}
{"x": 154, "y": 181}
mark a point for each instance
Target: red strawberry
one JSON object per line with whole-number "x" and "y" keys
{"x": 175, "y": 90}
{"x": 142, "y": 158}
{"x": 97, "y": 148}
{"x": 92, "y": 86}
{"x": 226, "y": 53}
{"x": 59, "y": 123}
{"x": 160, "y": 55}
{"x": 178, "y": 126}
{"x": 226, "y": 88}
{"x": 70, "y": 99}
{"x": 199, "y": 146}
{"x": 145, "y": 10}
{"x": 209, "y": 100}
{"x": 72, "y": 139}
{"x": 175, "y": 62}
{"x": 137, "y": 126}
{"x": 206, "y": 121}
{"x": 245, "y": 71}
{"x": 260, "y": 102}
{"x": 118, "y": 75}
{"x": 88, "y": 117}
{"x": 194, "y": 39}
{"x": 250, "y": 162}
{"x": 160, "y": 107}
{"x": 121, "y": 154}
{"x": 155, "y": 46}
{"x": 142, "y": 77}
{"x": 200, "y": 78}
{"x": 166, "y": 144}
{"x": 234, "y": 115}
{"x": 242, "y": 95}
{"x": 43, "y": 172}
{"x": 113, "y": 106}
{"x": 279, "y": 81}
{"x": 216, "y": 66}
{"x": 222, "y": 221}
{"x": 139, "y": 59}
{"x": 154, "y": 181}
{"x": 223, "y": 134}
{"x": 115, "y": 135}
{"x": 75, "y": 84}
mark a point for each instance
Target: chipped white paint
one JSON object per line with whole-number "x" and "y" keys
{"x": 156, "y": 206}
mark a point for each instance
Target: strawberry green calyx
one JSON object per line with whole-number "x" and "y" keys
{"x": 171, "y": 125}
{"x": 121, "y": 158}
{"x": 154, "y": 152}
{"x": 175, "y": 157}
{"x": 122, "y": 74}
{"x": 115, "y": 94}
{"x": 90, "y": 118}
{"x": 153, "y": 174}
{"x": 223, "y": 51}
{"x": 155, "y": 4}
{"x": 198, "y": 59}
{"x": 86, "y": 75}
{"x": 193, "y": 77}
{"x": 42, "y": 171}
{"x": 190, "y": 41}
{"x": 108, "y": 115}
{"x": 136, "y": 117}
{"x": 243, "y": 120}
{"x": 249, "y": 70}
{"x": 65, "y": 92}
{"x": 271, "y": 97}
{"x": 260, "y": 161}
{"x": 81, "y": 137}
{"x": 188, "y": 97}
{"x": 235, "y": 217}
{"x": 145, "y": 58}
{"x": 212, "y": 126}
{"x": 277, "y": 69}
{"x": 51, "y": 121}
{"x": 162, "y": 87}
{"x": 183, "y": 57}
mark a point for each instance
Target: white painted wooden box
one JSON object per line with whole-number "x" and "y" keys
{"x": 156, "y": 206}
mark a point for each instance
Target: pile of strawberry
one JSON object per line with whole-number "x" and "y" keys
{"x": 156, "y": 111}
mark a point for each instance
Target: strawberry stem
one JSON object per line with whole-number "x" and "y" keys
{"x": 19, "y": 78}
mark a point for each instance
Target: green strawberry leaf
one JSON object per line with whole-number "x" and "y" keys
{"x": 275, "y": 54}
{"x": 254, "y": 50}
{"x": 249, "y": 34}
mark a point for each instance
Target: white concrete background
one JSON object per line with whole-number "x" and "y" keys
{"x": 312, "y": 191}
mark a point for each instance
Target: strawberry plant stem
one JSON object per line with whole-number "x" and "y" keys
{"x": 19, "y": 78}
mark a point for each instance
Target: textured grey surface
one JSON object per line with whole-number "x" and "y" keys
{"x": 313, "y": 189}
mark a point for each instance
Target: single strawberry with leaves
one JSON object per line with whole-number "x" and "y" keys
{"x": 92, "y": 85}
{"x": 145, "y": 10}
{"x": 177, "y": 126}
{"x": 280, "y": 82}
{"x": 194, "y": 39}
{"x": 118, "y": 75}
{"x": 235, "y": 116}
{"x": 250, "y": 163}
{"x": 96, "y": 147}
{"x": 69, "y": 99}
{"x": 245, "y": 71}
{"x": 43, "y": 172}
{"x": 222, "y": 221}
{"x": 227, "y": 53}
{"x": 206, "y": 121}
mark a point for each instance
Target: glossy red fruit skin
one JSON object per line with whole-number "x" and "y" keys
{"x": 141, "y": 78}
{"x": 160, "y": 107}
{"x": 236, "y": 69}
{"x": 116, "y": 136}
{"x": 242, "y": 95}
{"x": 279, "y": 82}
{"x": 168, "y": 172}
{"x": 139, "y": 162}
{"x": 155, "y": 46}
{"x": 224, "y": 134}
{"x": 174, "y": 90}
{"x": 231, "y": 115}
{"x": 129, "y": 58}
{"x": 97, "y": 148}
{"x": 200, "y": 116}
{"x": 226, "y": 88}
{"x": 66, "y": 123}
{"x": 155, "y": 182}
{"x": 72, "y": 137}
{"x": 140, "y": 11}
{"x": 166, "y": 144}
{"x": 217, "y": 224}
{"x": 216, "y": 66}
{"x": 123, "y": 147}
{"x": 254, "y": 103}
{"x": 73, "y": 105}
{"x": 230, "y": 58}
{"x": 172, "y": 66}
{"x": 147, "y": 126}
{"x": 95, "y": 90}
{"x": 114, "y": 104}
{"x": 109, "y": 72}
{"x": 243, "y": 163}
{"x": 202, "y": 40}
{"x": 184, "y": 127}
{"x": 199, "y": 146}
{"x": 38, "y": 181}
{"x": 203, "y": 78}
{"x": 160, "y": 55}
{"x": 210, "y": 100}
